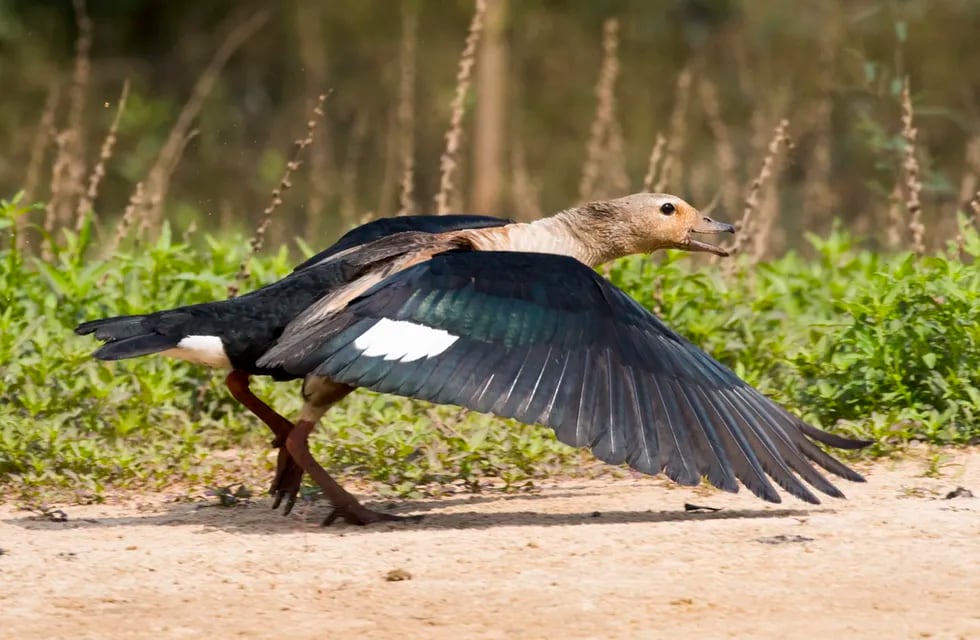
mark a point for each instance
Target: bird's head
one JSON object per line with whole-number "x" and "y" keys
{"x": 645, "y": 222}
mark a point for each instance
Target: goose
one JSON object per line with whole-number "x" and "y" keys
{"x": 506, "y": 318}
{"x": 233, "y": 333}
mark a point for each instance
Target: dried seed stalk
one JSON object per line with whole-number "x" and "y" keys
{"x": 780, "y": 137}
{"x": 158, "y": 178}
{"x": 670, "y": 170}
{"x": 41, "y": 140}
{"x": 87, "y": 200}
{"x": 656, "y": 155}
{"x": 136, "y": 201}
{"x": 406, "y": 113}
{"x": 605, "y": 112}
{"x": 448, "y": 161}
{"x": 59, "y": 176}
{"x": 72, "y": 183}
{"x": 896, "y": 221}
{"x": 255, "y": 245}
{"x": 974, "y": 219}
{"x": 910, "y": 164}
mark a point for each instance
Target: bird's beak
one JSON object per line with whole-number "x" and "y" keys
{"x": 707, "y": 225}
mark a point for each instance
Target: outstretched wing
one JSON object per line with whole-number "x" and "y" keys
{"x": 544, "y": 339}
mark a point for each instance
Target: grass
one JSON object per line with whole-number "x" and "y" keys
{"x": 870, "y": 345}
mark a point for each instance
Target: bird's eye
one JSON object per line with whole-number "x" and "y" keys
{"x": 667, "y": 209}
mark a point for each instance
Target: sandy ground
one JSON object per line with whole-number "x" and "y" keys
{"x": 612, "y": 558}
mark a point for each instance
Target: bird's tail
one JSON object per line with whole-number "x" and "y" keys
{"x": 126, "y": 337}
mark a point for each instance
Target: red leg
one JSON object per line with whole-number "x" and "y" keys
{"x": 238, "y": 384}
{"x": 289, "y": 475}
{"x": 345, "y": 506}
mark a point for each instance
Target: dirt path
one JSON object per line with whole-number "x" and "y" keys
{"x": 895, "y": 561}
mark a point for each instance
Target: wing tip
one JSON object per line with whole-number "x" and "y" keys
{"x": 84, "y": 329}
{"x": 832, "y": 439}
{"x": 808, "y": 496}
{"x": 765, "y": 491}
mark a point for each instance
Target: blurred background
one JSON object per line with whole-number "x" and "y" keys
{"x": 566, "y": 102}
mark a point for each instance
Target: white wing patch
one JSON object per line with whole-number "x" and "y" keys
{"x": 403, "y": 341}
{"x": 206, "y": 350}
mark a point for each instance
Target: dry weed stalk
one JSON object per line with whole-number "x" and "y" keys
{"x": 188, "y": 235}
{"x": 974, "y": 207}
{"x": 87, "y": 200}
{"x": 158, "y": 178}
{"x": 153, "y": 200}
{"x": 605, "y": 110}
{"x": 725, "y": 155}
{"x": 125, "y": 224}
{"x": 456, "y": 200}
{"x": 780, "y": 137}
{"x": 136, "y": 201}
{"x": 490, "y": 91}
{"x": 32, "y": 177}
{"x": 71, "y": 184}
{"x": 968, "y": 184}
{"x": 449, "y": 161}
{"x": 406, "y": 112}
{"x": 59, "y": 176}
{"x": 149, "y": 203}
{"x": 41, "y": 140}
{"x": 653, "y": 164}
{"x": 614, "y": 158}
{"x": 896, "y": 221}
{"x": 702, "y": 182}
{"x": 913, "y": 186}
{"x": 255, "y": 245}
{"x": 670, "y": 173}
{"x": 767, "y": 233}
{"x": 83, "y": 67}
{"x": 68, "y": 168}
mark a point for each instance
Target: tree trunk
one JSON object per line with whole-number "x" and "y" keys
{"x": 491, "y": 81}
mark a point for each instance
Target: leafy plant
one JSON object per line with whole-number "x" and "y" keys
{"x": 879, "y": 346}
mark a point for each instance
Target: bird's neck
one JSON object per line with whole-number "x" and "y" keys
{"x": 573, "y": 232}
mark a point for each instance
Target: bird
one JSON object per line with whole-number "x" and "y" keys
{"x": 506, "y": 318}
{"x": 233, "y": 333}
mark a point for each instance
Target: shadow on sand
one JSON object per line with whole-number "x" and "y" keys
{"x": 441, "y": 514}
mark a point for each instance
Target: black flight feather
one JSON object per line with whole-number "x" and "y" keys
{"x": 543, "y": 338}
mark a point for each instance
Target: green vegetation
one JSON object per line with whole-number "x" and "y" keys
{"x": 791, "y": 119}
{"x": 885, "y": 347}
{"x": 69, "y": 421}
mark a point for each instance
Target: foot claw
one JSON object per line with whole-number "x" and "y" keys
{"x": 287, "y": 481}
{"x": 290, "y": 503}
{"x": 363, "y": 516}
